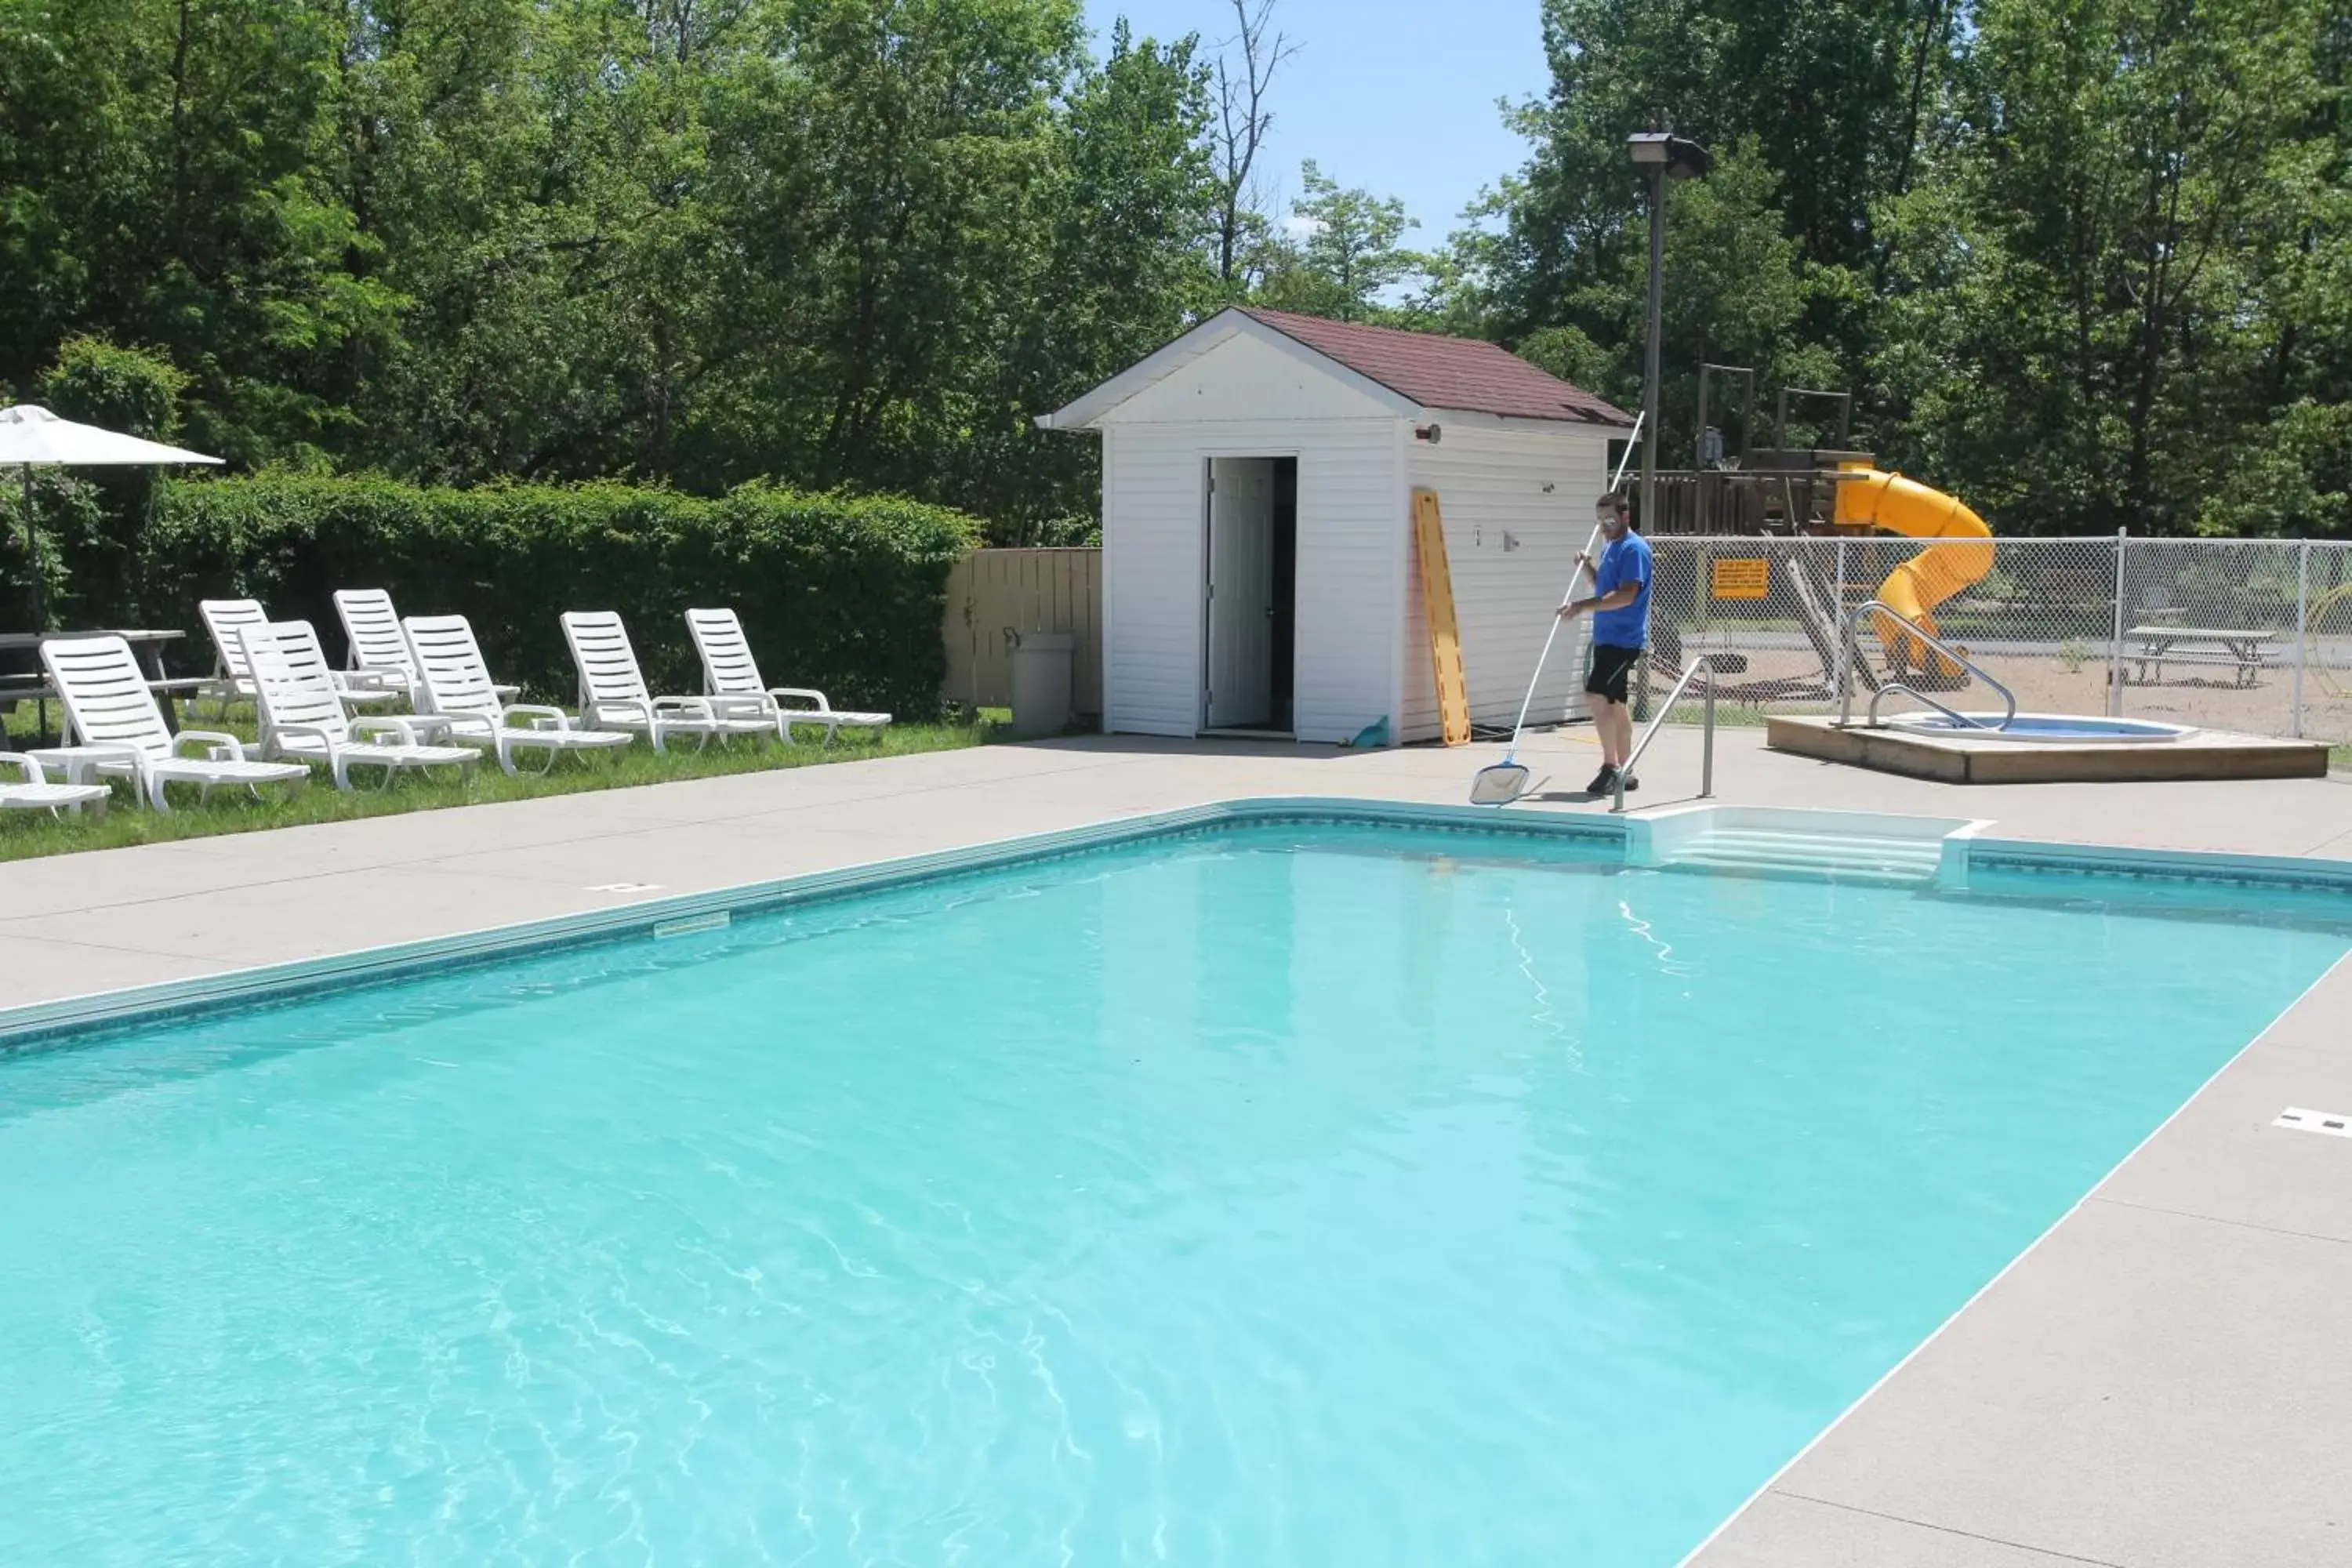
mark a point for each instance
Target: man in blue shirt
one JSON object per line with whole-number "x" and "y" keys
{"x": 1619, "y": 607}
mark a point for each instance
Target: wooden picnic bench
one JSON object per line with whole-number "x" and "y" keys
{"x": 2246, "y": 650}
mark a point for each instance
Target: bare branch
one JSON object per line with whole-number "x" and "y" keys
{"x": 1243, "y": 77}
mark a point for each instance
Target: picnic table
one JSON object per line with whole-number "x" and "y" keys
{"x": 2244, "y": 650}
{"x": 147, "y": 644}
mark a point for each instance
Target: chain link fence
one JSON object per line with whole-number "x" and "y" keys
{"x": 2252, "y": 635}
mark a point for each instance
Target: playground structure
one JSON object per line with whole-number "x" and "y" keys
{"x": 1779, "y": 490}
{"x": 1815, "y": 578}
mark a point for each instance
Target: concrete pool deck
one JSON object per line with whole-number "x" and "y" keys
{"x": 2165, "y": 1379}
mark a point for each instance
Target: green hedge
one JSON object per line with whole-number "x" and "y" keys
{"x": 845, "y": 593}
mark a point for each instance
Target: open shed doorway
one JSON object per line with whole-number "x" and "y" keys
{"x": 1251, "y": 596}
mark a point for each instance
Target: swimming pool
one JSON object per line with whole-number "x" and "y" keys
{"x": 1287, "y": 1194}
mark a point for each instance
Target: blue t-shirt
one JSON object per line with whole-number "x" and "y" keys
{"x": 1627, "y": 561}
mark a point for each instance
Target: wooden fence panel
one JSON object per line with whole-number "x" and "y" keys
{"x": 1029, "y": 591}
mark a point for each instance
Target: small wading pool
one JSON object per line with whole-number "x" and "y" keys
{"x": 1278, "y": 1194}
{"x": 2070, "y": 728}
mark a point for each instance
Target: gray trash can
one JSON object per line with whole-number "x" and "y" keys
{"x": 1041, "y": 683}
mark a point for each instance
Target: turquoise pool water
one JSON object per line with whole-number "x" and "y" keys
{"x": 1288, "y": 1196}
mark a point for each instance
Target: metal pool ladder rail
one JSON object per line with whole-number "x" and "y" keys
{"x": 1853, "y": 651}
{"x": 1705, "y": 661}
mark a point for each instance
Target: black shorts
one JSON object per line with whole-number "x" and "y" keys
{"x": 1613, "y": 666}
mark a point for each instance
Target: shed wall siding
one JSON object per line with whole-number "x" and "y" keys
{"x": 1351, "y": 506}
{"x": 1489, "y": 482}
{"x": 1352, "y": 516}
{"x": 1151, "y": 583}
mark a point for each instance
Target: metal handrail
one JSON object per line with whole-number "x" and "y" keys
{"x": 1853, "y": 652}
{"x": 1705, "y": 661}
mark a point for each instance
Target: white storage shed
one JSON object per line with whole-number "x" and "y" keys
{"x": 1259, "y": 569}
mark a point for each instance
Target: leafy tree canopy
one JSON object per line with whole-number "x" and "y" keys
{"x": 2085, "y": 262}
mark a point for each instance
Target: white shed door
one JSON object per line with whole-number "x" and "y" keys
{"x": 1241, "y": 592}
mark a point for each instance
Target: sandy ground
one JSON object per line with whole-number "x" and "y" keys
{"x": 1779, "y": 679}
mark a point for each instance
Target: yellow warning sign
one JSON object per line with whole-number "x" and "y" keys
{"x": 1743, "y": 579}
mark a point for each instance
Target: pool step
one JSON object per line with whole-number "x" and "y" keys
{"x": 1849, "y": 857}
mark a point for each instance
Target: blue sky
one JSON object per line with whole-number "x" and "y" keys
{"x": 1396, "y": 96}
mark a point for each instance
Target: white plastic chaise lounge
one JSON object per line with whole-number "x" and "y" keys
{"x": 354, "y": 689}
{"x": 231, "y": 679}
{"x": 36, "y": 793}
{"x": 729, "y": 672}
{"x": 455, "y": 685}
{"x": 110, "y": 708}
{"x": 302, "y": 712}
{"x": 379, "y": 649}
{"x": 226, "y": 620}
{"x": 612, "y": 691}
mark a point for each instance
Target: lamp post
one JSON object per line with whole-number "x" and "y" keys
{"x": 1663, "y": 156}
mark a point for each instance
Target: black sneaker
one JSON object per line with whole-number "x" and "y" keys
{"x": 1632, "y": 783}
{"x": 1603, "y": 782}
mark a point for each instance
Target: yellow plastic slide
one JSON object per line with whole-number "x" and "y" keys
{"x": 1914, "y": 589}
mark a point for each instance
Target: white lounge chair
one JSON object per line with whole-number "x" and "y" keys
{"x": 354, "y": 689}
{"x": 302, "y": 713}
{"x": 612, "y": 689}
{"x": 455, "y": 685}
{"x": 37, "y": 794}
{"x": 378, "y": 648}
{"x": 226, "y": 620}
{"x": 729, "y": 672}
{"x": 229, "y": 619}
{"x": 110, "y": 708}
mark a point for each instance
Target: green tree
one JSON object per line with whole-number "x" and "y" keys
{"x": 2115, "y": 266}
{"x": 97, "y": 532}
{"x": 159, "y": 163}
{"x": 904, "y": 190}
{"x": 1125, "y": 266}
{"x": 1345, "y": 255}
{"x": 536, "y": 185}
{"x": 2082, "y": 262}
{"x": 1737, "y": 291}
{"x": 836, "y": 242}
{"x": 1840, "y": 99}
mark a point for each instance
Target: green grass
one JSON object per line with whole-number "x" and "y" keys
{"x": 23, "y": 834}
{"x": 2340, "y": 756}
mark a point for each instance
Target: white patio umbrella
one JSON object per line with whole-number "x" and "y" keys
{"x": 31, "y": 436}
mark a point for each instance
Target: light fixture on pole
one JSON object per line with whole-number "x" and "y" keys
{"x": 1663, "y": 156}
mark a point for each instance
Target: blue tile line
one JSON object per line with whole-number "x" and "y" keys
{"x": 2186, "y": 866}
{"x": 43, "y": 1023}
{"x": 48, "y": 1024}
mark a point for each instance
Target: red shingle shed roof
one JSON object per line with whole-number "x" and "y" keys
{"x": 1447, "y": 373}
